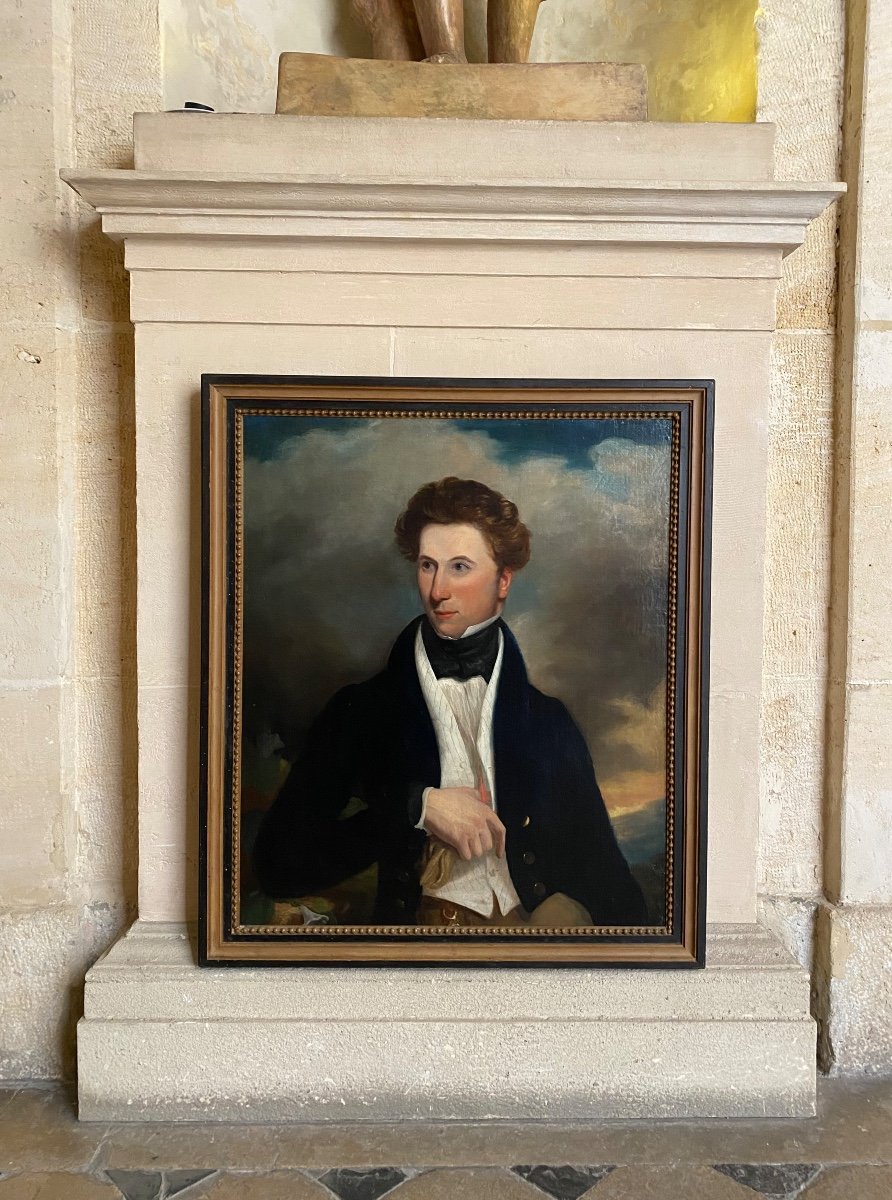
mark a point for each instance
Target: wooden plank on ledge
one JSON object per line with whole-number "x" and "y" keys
{"x": 323, "y": 85}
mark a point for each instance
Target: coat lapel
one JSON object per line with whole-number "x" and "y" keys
{"x": 515, "y": 767}
{"x": 420, "y": 760}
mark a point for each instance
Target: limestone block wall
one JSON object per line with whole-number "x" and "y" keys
{"x": 855, "y": 942}
{"x": 74, "y": 72}
{"x": 806, "y": 106}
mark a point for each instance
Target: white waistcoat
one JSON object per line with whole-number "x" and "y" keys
{"x": 461, "y": 711}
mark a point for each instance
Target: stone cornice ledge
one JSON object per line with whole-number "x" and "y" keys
{"x": 183, "y": 204}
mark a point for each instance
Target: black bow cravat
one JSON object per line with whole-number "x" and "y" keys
{"x": 465, "y": 657}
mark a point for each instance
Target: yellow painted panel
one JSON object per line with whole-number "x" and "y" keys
{"x": 700, "y": 54}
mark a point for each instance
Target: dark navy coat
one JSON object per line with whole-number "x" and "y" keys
{"x": 375, "y": 742}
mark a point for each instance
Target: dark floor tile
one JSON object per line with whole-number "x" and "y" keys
{"x": 563, "y": 1182}
{"x": 777, "y": 1181}
{"x": 362, "y": 1184}
{"x": 137, "y": 1185}
{"x": 274, "y": 1185}
{"x": 177, "y": 1182}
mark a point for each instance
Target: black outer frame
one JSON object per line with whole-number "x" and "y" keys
{"x": 707, "y": 387}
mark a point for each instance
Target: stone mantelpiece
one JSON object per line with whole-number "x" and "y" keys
{"x": 421, "y": 248}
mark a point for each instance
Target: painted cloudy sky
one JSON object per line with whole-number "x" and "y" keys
{"x": 326, "y": 591}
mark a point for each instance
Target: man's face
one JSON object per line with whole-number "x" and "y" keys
{"x": 458, "y": 580}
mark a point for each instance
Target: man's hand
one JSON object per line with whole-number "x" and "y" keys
{"x": 458, "y": 817}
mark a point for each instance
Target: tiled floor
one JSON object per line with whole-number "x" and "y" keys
{"x": 843, "y": 1154}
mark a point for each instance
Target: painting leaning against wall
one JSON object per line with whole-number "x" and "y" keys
{"x": 457, "y": 671}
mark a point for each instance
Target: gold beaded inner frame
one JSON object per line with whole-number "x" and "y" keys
{"x": 685, "y": 408}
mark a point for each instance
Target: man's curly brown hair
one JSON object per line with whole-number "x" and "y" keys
{"x": 453, "y": 501}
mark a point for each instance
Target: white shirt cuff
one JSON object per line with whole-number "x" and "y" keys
{"x": 424, "y": 795}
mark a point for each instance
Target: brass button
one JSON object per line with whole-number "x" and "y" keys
{"x": 526, "y": 822}
{"x": 538, "y": 889}
{"x": 529, "y": 858}
{"x": 403, "y": 877}
{"x": 400, "y": 904}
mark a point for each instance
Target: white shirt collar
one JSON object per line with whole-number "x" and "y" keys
{"x": 467, "y": 633}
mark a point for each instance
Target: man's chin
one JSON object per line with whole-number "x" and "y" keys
{"x": 452, "y": 627}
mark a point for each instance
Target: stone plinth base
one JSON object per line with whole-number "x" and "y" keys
{"x": 162, "y": 1039}
{"x": 855, "y": 948}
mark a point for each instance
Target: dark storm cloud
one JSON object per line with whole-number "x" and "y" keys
{"x": 326, "y": 591}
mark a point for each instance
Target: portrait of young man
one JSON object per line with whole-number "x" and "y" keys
{"x": 473, "y": 791}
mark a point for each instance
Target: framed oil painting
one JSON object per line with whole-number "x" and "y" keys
{"x": 454, "y": 671}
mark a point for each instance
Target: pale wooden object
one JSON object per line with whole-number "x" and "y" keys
{"x": 509, "y": 29}
{"x": 322, "y": 85}
{"x": 392, "y": 27}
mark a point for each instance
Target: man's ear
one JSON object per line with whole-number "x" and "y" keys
{"x": 505, "y": 577}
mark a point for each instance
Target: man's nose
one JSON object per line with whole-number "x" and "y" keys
{"x": 439, "y": 587}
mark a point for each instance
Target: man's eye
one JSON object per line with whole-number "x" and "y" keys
{"x": 425, "y": 565}
{"x": 460, "y": 568}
